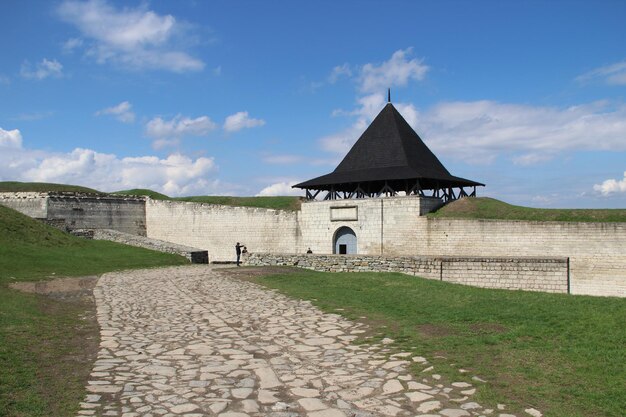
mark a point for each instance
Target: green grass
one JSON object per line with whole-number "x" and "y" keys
{"x": 15, "y": 186}
{"x": 562, "y": 354}
{"x": 277, "y": 203}
{"x": 142, "y": 191}
{"x": 41, "y": 339}
{"x": 489, "y": 208}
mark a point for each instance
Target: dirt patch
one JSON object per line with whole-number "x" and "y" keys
{"x": 64, "y": 289}
{"x": 436, "y": 330}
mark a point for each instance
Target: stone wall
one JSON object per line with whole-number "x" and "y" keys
{"x": 529, "y": 274}
{"x": 597, "y": 251}
{"x": 217, "y": 228}
{"x": 196, "y": 256}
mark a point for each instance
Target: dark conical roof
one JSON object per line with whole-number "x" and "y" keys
{"x": 389, "y": 150}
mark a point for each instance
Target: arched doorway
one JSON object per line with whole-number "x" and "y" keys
{"x": 345, "y": 241}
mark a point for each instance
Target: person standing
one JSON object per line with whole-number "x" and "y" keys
{"x": 238, "y": 252}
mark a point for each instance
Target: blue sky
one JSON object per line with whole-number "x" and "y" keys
{"x": 249, "y": 97}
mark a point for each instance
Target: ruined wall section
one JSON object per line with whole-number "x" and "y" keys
{"x": 124, "y": 214}
{"x": 33, "y": 204}
{"x": 217, "y": 228}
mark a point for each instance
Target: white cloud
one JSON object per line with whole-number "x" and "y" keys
{"x": 174, "y": 175}
{"x": 167, "y": 133}
{"x": 283, "y": 159}
{"x": 122, "y": 112}
{"x": 72, "y": 44}
{"x": 44, "y": 69}
{"x": 135, "y": 38}
{"x": 611, "y": 74}
{"x": 611, "y": 186}
{"x": 373, "y": 80}
{"x": 280, "y": 188}
{"x": 10, "y": 139}
{"x": 241, "y": 120}
{"x": 479, "y": 131}
{"x": 4, "y": 79}
{"x": 397, "y": 71}
{"x": 338, "y": 72}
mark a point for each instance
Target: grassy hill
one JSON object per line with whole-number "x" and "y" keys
{"x": 143, "y": 191}
{"x": 489, "y": 208}
{"x": 16, "y": 186}
{"x": 278, "y": 203}
{"x": 43, "y": 340}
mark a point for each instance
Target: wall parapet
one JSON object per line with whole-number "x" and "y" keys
{"x": 511, "y": 273}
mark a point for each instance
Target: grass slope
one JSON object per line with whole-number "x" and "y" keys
{"x": 489, "y": 208}
{"x": 15, "y": 186}
{"x": 278, "y": 203}
{"x": 142, "y": 191}
{"x": 561, "y": 354}
{"x": 43, "y": 370}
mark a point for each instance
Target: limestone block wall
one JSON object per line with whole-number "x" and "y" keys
{"x": 382, "y": 225}
{"x": 31, "y": 204}
{"x": 529, "y": 274}
{"x": 124, "y": 214}
{"x": 597, "y": 251}
{"x": 217, "y": 228}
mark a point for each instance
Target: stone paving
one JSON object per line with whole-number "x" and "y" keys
{"x": 190, "y": 341}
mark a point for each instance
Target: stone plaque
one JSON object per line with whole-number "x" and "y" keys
{"x": 343, "y": 213}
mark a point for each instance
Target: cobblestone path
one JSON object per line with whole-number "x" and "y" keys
{"x": 189, "y": 341}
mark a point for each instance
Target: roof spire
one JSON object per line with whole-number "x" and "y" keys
{"x": 389, "y": 95}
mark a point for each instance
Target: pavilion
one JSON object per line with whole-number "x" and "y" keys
{"x": 389, "y": 158}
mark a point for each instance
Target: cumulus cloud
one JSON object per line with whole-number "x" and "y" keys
{"x": 135, "y": 38}
{"x": 174, "y": 175}
{"x": 397, "y": 71}
{"x": 241, "y": 120}
{"x": 10, "y": 138}
{"x": 122, "y": 112}
{"x": 46, "y": 68}
{"x": 611, "y": 74}
{"x": 280, "y": 188}
{"x": 611, "y": 186}
{"x": 167, "y": 133}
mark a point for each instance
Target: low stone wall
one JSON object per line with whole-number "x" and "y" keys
{"x": 529, "y": 274}
{"x": 195, "y": 256}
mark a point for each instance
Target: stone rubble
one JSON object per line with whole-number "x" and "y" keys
{"x": 190, "y": 341}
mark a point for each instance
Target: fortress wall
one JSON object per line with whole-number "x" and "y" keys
{"x": 124, "y": 214}
{"x": 382, "y": 225}
{"x": 217, "y": 228}
{"x": 597, "y": 251}
{"x": 31, "y": 204}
